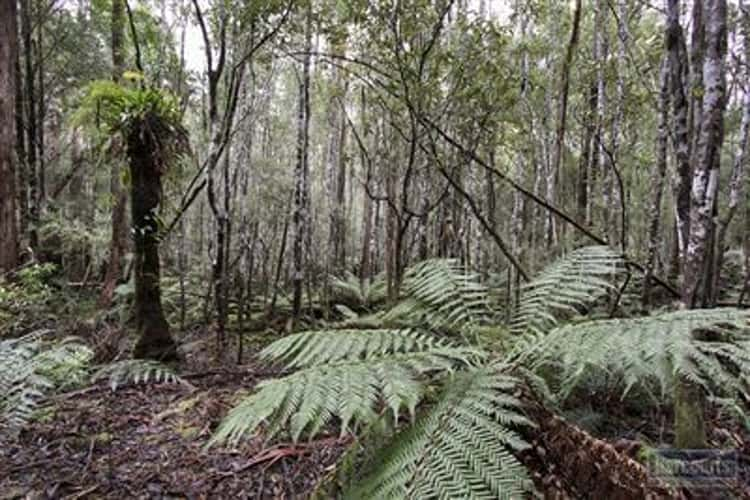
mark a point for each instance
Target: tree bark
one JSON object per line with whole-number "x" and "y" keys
{"x": 657, "y": 181}
{"x": 301, "y": 215}
{"x": 155, "y": 341}
{"x": 119, "y": 238}
{"x": 737, "y": 178}
{"x": 562, "y": 113}
{"x": 689, "y": 399}
{"x": 8, "y": 53}
{"x": 31, "y": 124}
{"x": 677, "y": 53}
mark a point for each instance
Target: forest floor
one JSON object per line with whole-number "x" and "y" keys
{"x": 149, "y": 441}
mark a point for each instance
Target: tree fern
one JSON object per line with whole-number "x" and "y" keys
{"x": 440, "y": 294}
{"x": 462, "y": 448}
{"x": 347, "y": 374}
{"x": 349, "y": 290}
{"x": 565, "y": 287}
{"x": 710, "y": 347}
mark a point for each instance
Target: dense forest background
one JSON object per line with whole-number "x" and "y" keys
{"x": 379, "y": 208}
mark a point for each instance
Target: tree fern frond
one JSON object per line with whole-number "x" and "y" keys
{"x": 462, "y": 448}
{"x": 710, "y": 347}
{"x": 136, "y": 371}
{"x": 350, "y": 290}
{"x": 347, "y": 375}
{"x": 565, "y": 287}
{"x": 30, "y": 367}
{"x": 313, "y": 348}
{"x": 441, "y": 295}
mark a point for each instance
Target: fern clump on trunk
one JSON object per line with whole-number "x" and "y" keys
{"x": 149, "y": 121}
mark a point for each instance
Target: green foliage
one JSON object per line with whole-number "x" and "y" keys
{"x": 461, "y": 448}
{"x": 136, "y": 371}
{"x": 121, "y": 108}
{"x": 348, "y": 291}
{"x": 465, "y": 416}
{"x": 21, "y": 298}
{"x": 35, "y": 366}
{"x": 31, "y": 368}
{"x": 709, "y": 347}
{"x": 565, "y": 288}
{"x": 347, "y": 374}
{"x": 441, "y": 295}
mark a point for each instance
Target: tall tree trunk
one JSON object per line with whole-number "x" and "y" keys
{"x": 689, "y": 401}
{"x": 601, "y": 52}
{"x": 301, "y": 217}
{"x": 365, "y": 271}
{"x": 657, "y": 181}
{"x": 155, "y": 341}
{"x": 31, "y": 123}
{"x": 8, "y": 56}
{"x": 562, "y": 113}
{"x": 739, "y": 167}
{"x": 336, "y": 166}
{"x": 678, "y": 77}
{"x": 119, "y": 238}
{"x": 617, "y": 233}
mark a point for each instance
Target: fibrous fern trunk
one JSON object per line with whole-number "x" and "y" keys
{"x": 155, "y": 341}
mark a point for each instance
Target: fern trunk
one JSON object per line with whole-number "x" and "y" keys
{"x": 155, "y": 341}
{"x": 690, "y": 428}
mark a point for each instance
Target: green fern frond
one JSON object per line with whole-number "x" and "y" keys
{"x": 137, "y": 371}
{"x": 30, "y": 367}
{"x": 462, "y": 448}
{"x": 565, "y": 287}
{"x": 313, "y": 348}
{"x": 349, "y": 290}
{"x": 441, "y": 295}
{"x": 710, "y": 347}
{"x": 348, "y": 375}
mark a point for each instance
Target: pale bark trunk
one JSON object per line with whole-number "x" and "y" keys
{"x": 739, "y": 167}
{"x": 706, "y": 175}
{"x": 689, "y": 400}
{"x": 601, "y": 51}
{"x": 658, "y": 176}
{"x": 301, "y": 215}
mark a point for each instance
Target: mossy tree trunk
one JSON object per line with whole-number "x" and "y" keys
{"x": 155, "y": 341}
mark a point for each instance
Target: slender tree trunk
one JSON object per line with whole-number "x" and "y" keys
{"x": 657, "y": 181}
{"x": 119, "y": 237}
{"x": 365, "y": 271}
{"x": 301, "y": 217}
{"x": 8, "y": 55}
{"x": 584, "y": 182}
{"x": 737, "y": 180}
{"x": 31, "y": 124}
{"x": 601, "y": 53}
{"x": 562, "y": 113}
{"x": 617, "y": 234}
{"x": 678, "y": 76}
